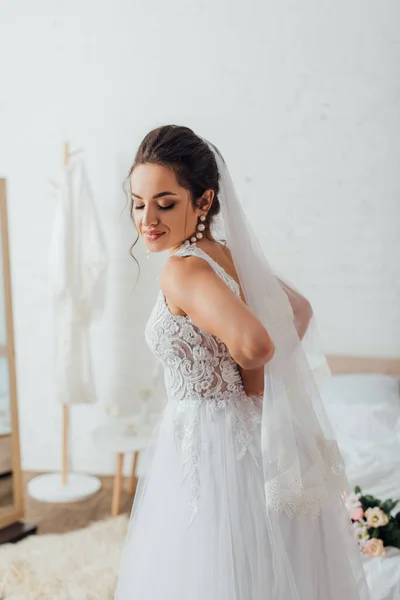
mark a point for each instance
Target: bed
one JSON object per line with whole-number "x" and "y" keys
{"x": 363, "y": 402}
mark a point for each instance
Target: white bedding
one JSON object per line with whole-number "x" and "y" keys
{"x": 365, "y": 412}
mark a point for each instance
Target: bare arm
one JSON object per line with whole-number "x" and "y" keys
{"x": 301, "y": 307}
{"x": 253, "y": 379}
{"x": 190, "y": 284}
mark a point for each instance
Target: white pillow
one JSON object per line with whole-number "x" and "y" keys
{"x": 363, "y": 406}
{"x": 365, "y": 387}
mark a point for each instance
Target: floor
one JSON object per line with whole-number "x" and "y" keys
{"x": 58, "y": 518}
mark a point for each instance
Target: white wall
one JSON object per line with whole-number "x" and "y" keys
{"x": 302, "y": 99}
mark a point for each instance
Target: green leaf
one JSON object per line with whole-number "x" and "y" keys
{"x": 387, "y": 506}
{"x": 393, "y": 539}
{"x": 357, "y": 489}
{"x": 374, "y": 532}
{"x": 395, "y": 543}
{"x": 369, "y": 502}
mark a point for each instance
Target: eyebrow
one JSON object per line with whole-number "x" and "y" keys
{"x": 160, "y": 195}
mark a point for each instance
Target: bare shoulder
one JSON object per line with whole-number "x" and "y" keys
{"x": 181, "y": 271}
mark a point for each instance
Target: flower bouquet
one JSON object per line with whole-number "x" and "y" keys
{"x": 374, "y": 525}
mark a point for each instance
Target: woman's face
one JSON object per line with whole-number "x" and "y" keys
{"x": 163, "y": 211}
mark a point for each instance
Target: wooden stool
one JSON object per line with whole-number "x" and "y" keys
{"x": 119, "y": 436}
{"x": 116, "y": 499}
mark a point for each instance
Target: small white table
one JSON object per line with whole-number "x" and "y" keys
{"x": 121, "y": 435}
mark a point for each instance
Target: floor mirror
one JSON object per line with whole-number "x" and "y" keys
{"x": 11, "y": 493}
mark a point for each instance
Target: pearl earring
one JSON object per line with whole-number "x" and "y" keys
{"x": 200, "y": 228}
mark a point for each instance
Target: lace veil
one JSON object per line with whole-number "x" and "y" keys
{"x": 304, "y": 476}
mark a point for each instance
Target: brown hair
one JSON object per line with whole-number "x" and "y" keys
{"x": 188, "y": 156}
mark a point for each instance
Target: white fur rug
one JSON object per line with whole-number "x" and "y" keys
{"x": 79, "y": 565}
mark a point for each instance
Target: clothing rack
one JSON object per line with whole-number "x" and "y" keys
{"x": 65, "y": 486}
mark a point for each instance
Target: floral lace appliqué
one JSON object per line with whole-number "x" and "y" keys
{"x": 200, "y": 374}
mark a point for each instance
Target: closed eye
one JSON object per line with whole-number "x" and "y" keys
{"x": 160, "y": 207}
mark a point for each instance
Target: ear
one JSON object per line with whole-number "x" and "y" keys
{"x": 204, "y": 203}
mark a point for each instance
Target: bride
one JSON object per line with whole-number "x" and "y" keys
{"x": 243, "y": 496}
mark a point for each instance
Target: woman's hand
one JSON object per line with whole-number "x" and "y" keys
{"x": 253, "y": 381}
{"x": 302, "y": 309}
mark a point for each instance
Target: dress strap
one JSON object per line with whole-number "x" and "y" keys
{"x": 194, "y": 250}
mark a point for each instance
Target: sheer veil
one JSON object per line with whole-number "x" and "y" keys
{"x": 304, "y": 477}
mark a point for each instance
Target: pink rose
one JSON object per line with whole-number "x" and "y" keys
{"x": 374, "y": 547}
{"x": 376, "y": 517}
{"x": 357, "y": 514}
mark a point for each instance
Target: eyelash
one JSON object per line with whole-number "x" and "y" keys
{"x": 160, "y": 207}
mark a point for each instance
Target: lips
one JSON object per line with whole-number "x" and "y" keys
{"x": 153, "y": 235}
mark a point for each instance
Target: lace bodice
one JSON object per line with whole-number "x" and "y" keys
{"x": 201, "y": 377}
{"x": 197, "y": 365}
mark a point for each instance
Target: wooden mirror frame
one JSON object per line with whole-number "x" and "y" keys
{"x": 17, "y": 510}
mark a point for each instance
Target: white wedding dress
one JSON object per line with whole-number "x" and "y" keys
{"x": 198, "y": 529}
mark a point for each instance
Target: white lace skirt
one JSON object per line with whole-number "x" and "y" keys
{"x": 198, "y": 528}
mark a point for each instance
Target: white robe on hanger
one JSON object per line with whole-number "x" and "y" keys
{"x": 78, "y": 277}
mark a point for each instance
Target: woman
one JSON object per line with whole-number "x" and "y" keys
{"x": 242, "y": 499}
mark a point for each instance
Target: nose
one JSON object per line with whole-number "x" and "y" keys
{"x": 150, "y": 217}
